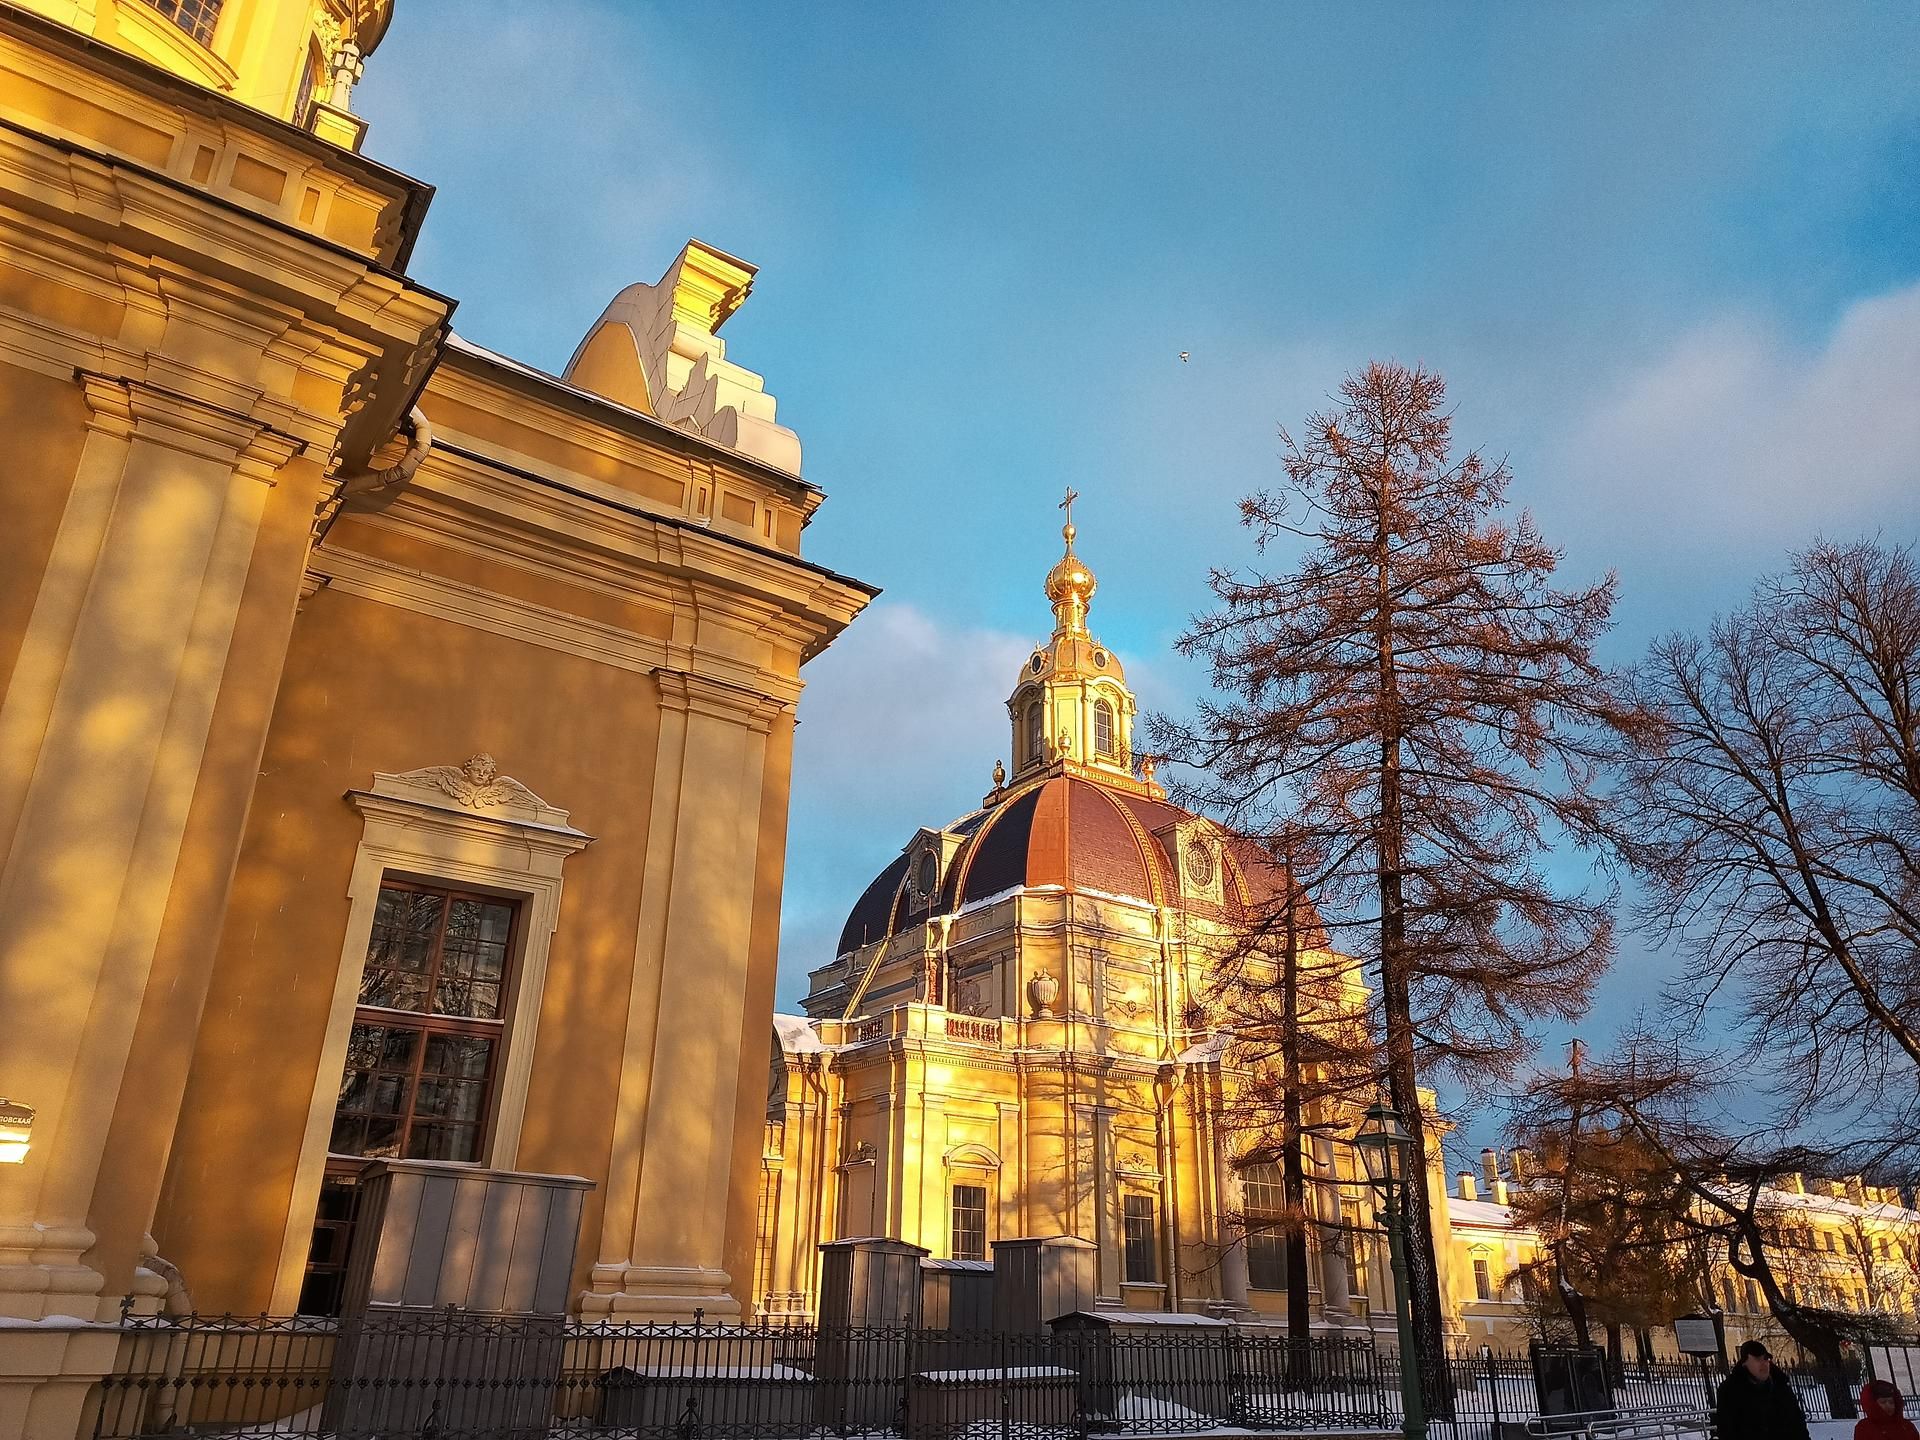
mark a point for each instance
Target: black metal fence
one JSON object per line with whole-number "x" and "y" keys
{"x": 1488, "y": 1389}
{"x": 420, "y": 1375}
{"x": 445, "y": 1374}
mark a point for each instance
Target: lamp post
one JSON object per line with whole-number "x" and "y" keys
{"x": 1382, "y": 1141}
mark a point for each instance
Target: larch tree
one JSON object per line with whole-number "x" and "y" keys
{"x": 1602, "y": 1206}
{"x": 1417, "y": 700}
{"x": 1774, "y": 817}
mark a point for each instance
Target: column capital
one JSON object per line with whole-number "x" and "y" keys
{"x": 138, "y": 409}
{"x": 695, "y": 694}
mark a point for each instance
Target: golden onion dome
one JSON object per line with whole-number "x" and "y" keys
{"x": 1070, "y": 579}
{"x": 363, "y": 21}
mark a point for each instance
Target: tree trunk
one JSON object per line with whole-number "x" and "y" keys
{"x": 1616, "y": 1353}
{"x": 1403, "y": 1079}
{"x": 1423, "y": 1276}
{"x": 1824, "y": 1346}
{"x": 1815, "y": 1338}
{"x": 1292, "y": 1169}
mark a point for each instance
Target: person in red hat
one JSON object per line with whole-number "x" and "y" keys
{"x": 1882, "y": 1413}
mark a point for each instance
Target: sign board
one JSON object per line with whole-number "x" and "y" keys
{"x": 1568, "y": 1381}
{"x": 1697, "y": 1335}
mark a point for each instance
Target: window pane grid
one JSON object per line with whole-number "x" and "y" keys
{"x": 421, "y": 1056}
{"x": 969, "y": 1222}
{"x": 1263, "y": 1201}
{"x": 196, "y": 17}
{"x": 1137, "y": 1228}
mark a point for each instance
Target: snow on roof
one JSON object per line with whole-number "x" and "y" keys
{"x": 1482, "y": 1212}
{"x": 1211, "y": 1048}
{"x": 797, "y": 1035}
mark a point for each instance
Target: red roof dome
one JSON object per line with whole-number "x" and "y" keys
{"x": 1064, "y": 832}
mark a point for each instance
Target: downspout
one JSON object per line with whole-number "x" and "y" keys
{"x": 1173, "y": 1077}
{"x": 353, "y": 484}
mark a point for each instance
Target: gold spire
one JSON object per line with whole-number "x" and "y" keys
{"x": 1070, "y": 584}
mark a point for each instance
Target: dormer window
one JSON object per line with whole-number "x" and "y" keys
{"x": 926, "y": 877}
{"x": 1103, "y": 737}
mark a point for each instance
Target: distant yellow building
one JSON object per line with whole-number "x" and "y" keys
{"x": 394, "y": 738}
{"x": 1841, "y": 1245}
{"x": 1004, "y": 1047}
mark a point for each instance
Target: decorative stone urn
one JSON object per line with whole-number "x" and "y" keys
{"x": 1043, "y": 990}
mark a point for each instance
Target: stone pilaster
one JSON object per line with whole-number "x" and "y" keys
{"x": 103, "y": 730}
{"x": 664, "y": 1228}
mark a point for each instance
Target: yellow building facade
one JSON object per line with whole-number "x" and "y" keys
{"x": 1837, "y": 1244}
{"x": 394, "y": 738}
{"x": 1006, "y": 1044}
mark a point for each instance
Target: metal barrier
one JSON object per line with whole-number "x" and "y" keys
{"x": 441, "y": 1374}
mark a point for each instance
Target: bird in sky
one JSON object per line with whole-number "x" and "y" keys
{"x": 1184, "y": 356}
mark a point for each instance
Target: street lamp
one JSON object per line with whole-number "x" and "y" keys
{"x": 1382, "y": 1141}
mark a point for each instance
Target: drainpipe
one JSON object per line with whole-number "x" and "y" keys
{"x": 1172, "y": 1078}
{"x": 353, "y": 484}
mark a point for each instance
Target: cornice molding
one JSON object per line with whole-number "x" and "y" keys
{"x": 191, "y": 426}
{"x": 385, "y": 583}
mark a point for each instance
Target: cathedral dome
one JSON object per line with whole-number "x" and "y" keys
{"x": 1075, "y": 816}
{"x": 1072, "y": 834}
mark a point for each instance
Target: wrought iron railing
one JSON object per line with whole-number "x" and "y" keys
{"x": 437, "y": 1375}
{"x": 449, "y": 1373}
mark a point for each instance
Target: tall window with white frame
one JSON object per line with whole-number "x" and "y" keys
{"x": 969, "y": 1222}
{"x": 1103, "y": 739}
{"x": 1263, "y": 1200}
{"x": 1482, "y": 1278}
{"x": 423, "y": 1054}
{"x": 1140, "y": 1235}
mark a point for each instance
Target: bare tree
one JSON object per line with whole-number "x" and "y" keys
{"x": 1417, "y": 699}
{"x": 1703, "y": 1180}
{"x": 1774, "y": 814}
{"x": 1297, "y": 1015}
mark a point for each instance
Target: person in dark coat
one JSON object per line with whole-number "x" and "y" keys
{"x": 1756, "y": 1402}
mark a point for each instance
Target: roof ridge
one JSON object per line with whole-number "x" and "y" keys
{"x": 1156, "y": 891}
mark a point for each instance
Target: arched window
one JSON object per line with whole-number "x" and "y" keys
{"x": 1103, "y": 728}
{"x": 929, "y": 875}
{"x": 197, "y": 17}
{"x": 1033, "y": 732}
{"x": 1263, "y": 1196}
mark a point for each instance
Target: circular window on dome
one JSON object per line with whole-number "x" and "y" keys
{"x": 1036, "y": 663}
{"x": 1100, "y": 658}
{"x": 928, "y": 877}
{"x": 1200, "y": 862}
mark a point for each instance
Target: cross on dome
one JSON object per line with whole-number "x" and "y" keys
{"x": 1070, "y": 584}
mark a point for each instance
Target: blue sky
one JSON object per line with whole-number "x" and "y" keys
{"x": 1667, "y": 256}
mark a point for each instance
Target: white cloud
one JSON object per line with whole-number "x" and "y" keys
{"x": 1737, "y": 436}
{"x": 900, "y": 724}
